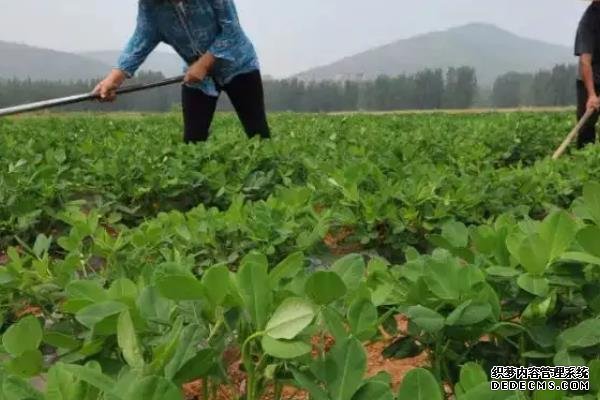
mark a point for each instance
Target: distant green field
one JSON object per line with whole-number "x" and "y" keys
{"x": 132, "y": 263}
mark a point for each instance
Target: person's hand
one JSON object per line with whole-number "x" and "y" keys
{"x": 593, "y": 102}
{"x": 106, "y": 90}
{"x": 200, "y": 69}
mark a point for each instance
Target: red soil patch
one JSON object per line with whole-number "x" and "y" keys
{"x": 337, "y": 243}
{"x": 29, "y": 310}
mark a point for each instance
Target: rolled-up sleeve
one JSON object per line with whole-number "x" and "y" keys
{"x": 229, "y": 29}
{"x": 144, "y": 40}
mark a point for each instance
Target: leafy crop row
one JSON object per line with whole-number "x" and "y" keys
{"x": 118, "y": 284}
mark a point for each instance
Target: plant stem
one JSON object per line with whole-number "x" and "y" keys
{"x": 250, "y": 370}
{"x": 278, "y": 390}
{"x": 205, "y": 388}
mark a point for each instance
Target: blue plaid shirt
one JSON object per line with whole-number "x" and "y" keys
{"x": 192, "y": 27}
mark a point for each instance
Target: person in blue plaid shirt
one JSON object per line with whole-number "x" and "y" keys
{"x": 219, "y": 56}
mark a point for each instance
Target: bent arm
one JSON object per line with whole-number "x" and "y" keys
{"x": 229, "y": 26}
{"x": 144, "y": 40}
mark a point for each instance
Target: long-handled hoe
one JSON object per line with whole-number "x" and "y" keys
{"x": 559, "y": 152}
{"x": 41, "y": 105}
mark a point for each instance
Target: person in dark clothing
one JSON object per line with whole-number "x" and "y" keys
{"x": 219, "y": 57}
{"x": 587, "y": 48}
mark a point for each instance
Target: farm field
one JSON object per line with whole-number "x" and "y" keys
{"x": 135, "y": 267}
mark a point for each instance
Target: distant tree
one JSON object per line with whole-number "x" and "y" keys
{"x": 429, "y": 87}
{"x": 508, "y": 90}
{"x": 562, "y": 83}
{"x": 461, "y": 87}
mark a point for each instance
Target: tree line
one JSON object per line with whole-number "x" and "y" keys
{"x": 455, "y": 88}
{"x": 428, "y": 89}
{"x": 554, "y": 87}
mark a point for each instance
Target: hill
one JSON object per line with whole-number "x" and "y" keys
{"x": 170, "y": 64}
{"x": 490, "y": 50}
{"x": 23, "y": 61}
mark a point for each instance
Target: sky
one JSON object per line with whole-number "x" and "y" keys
{"x": 292, "y": 36}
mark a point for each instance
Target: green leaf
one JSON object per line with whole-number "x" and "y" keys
{"x": 374, "y": 391}
{"x": 362, "y": 317}
{"x": 444, "y": 278}
{"x": 91, "y": 376}
{"x": 591, "y": 200}
{"x": 185, "y": 349}
{"x": 334, "y": 323}
{"x": 128, "y": 341}
{"x": 309, "y": 383}
{"x": 507, "y": 329}
{"x": 469, "y": 313}
{"x": 382, "y": 377}
{"x": 536, "y": 285}
{"x": 484, "y": 391}
{"x": 216, "y": 283}
{"x": 61, "y": 340}
{"x": 287, "y": 268}
{"x": 594, "y": 366}
{"x": 290, "y": 318}
{"x": 558, "y": 231}
{"x": 565, "y": 358}
{"x": 581, "y": 257}
{"x": 153, "y": 388}
{"x": 153, "y": 306}
{"x": 284, "y": 349}
{"x": 503, "y": 272}
{"x": 472, "y": 375}
{"x": 17, "y": 388}
{"x": 540, "y": 308}
{"x": 166, "y": 353}
{"x": 456, "y": 233}
{"x": 41, "y": 245}
{"x": 180, "y": 287}
{"x": 536, "y": 355}
{"x": 351, "y": 364}
{"x": 24, "y": 335}
{"x": 425, "y": 318}
{"x": 585, "y": 334}
{"x": 86, "y": 290}
{"x": 96, "y": 313}
{"x": 548, "y": 395}
{"x": 324, "y": 287}
{"x": 27, "y": 364}
{"x": 122, "y": 289}
{"x": 253, "y": 282}
{"x": 589, "y": 239}
{"x": 351, "y": 269}
{"x": 197, "y": 367}
{"x": 60, "y": 385}
{"x": 533, "y": 254}
{"x": 420, "y": 384}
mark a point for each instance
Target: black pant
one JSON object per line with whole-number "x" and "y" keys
{"x": 587, "y": 135}
{"x": 246, "y": 94}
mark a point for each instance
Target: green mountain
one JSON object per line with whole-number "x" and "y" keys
{"x": 490, "y": 50}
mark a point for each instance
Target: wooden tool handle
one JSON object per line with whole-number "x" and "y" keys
{"x": 560, "y": 151}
